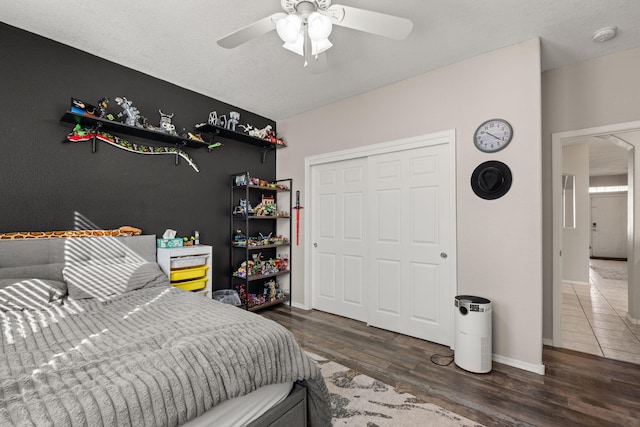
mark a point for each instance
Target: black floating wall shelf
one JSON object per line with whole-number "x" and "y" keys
{"x": 240, "y": 137}
{"x": 109, "y": 125}
{"x": 98, "y": 123}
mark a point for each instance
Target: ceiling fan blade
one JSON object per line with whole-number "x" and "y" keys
{"x": 393, "y": 27}
{"x": 251, "y": 31}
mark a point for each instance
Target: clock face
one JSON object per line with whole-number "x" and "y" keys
{"x": 493, "y": 135}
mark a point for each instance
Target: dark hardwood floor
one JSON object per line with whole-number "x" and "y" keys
{"x": 577, "y": 390}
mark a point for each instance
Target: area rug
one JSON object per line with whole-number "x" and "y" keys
{"x": 615, "y": 271}
{"x": 359, "y": 400}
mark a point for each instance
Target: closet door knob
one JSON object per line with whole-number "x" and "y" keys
{"x": 443, "y": 255}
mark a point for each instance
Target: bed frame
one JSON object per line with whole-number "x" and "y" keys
{"x": 45, "y": 258}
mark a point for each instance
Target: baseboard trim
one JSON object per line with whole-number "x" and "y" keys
{"x": 536, "y": 369}
{"x": 300, "y": 306}
{"x": 633, "y": 320}
{"x": 573, "y": 282}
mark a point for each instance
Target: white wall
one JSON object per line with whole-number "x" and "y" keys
{"x": 575, "y": 243}
{"x": 499, "y": 241}
{"x": 603, "y": 91}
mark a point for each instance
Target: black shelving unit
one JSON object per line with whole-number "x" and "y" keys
{"x": 253, "y": 225}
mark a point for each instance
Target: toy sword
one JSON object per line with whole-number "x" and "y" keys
{"x": 297, "y": 207}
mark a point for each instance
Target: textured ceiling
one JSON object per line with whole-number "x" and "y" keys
{"x": 176, "y": 41}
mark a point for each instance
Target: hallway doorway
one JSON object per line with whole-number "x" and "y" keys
{"x": 627, "y": 137}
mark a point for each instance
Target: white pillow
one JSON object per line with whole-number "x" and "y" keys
{"x": 104, "y": 281}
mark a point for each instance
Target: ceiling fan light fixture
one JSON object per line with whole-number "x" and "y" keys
{"x": 319, "y": 26}
{"x": 288, "y": 28}
{"x": 317, "y": 47}
{"x": 295, "y": 47}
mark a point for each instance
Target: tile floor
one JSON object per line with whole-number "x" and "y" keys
{"x": 594, "y": 316}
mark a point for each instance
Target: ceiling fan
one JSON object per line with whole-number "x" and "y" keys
{"x": 307, "y": 24}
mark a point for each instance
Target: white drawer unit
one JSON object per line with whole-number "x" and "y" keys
{"x": 188, "y": 267}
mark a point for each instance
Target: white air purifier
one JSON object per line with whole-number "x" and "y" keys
{"x": 473, "y": 334}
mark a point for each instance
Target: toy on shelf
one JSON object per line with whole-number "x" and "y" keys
{"x": 267, "y": 207}
{"x": 244, "y": 179}
{"x": 243, "y": 209}
{"x": 271, "y": 137}
{"x": 242, "y": 293}
{"x": 258, "y": 266}
{"x": 103, "y": 103}
{"x": 80, "y": 107}
{"x": 133, "y": 117}
{"x": 256, "y": 133}
{"x": 165, "y": 123}
{"x": 192, "y": 136}
{"x": 222, "y": 121}
{"x": 234, "y": 119}
{"x": 240, "y": 239}
{"x": 271, "y": 290}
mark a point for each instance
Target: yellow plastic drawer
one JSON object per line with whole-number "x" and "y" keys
{"x": 192, "y": 285}
{"x": 188, "y": 273}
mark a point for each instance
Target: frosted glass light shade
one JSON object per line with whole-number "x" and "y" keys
{"x": 296, "y": 47}
{"x": 289, "y": 28}
{"x": 319, "y": 26}
{"x": 316, "y": 47}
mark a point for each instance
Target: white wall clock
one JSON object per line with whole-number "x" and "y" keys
{"x": 493, "y": 135}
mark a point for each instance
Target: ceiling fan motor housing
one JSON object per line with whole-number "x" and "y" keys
{"x": 291, "y": 6}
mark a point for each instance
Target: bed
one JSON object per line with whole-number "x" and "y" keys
{"x": 94, "y": 334}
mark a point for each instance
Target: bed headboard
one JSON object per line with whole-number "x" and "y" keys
{"x": 45, "y": 258}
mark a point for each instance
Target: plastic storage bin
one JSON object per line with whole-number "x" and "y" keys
{"x": 227, "y": 296}
{"x": 188, "y": 273}
{"x": 188, "y": 261}
{"x": 192, "y": 285}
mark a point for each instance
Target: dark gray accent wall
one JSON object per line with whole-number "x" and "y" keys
{"x": 49, "y": 184}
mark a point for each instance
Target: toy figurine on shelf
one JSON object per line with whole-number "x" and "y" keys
{"x": 271, "y": 137}
{"x": 214, "y": 120}
{"x": 270, "y": 290}
{"x": 165, "y": 123}
{"x": 239, "y": 239}
{"x": 256, "y": 133}
{"x": 244, "y": 208}
{"x": 264, "y": 240}
{"x": 194, "y": 137}
{"x": 80, "y": 107}
{"x": 234, "y": 119}
{"x": 283, "y": 262}
{"x": 267, "y": 207}
{"x": 133, "y": 117}
{"x": 242, "y": 293}
{"x": 103, "y": 103}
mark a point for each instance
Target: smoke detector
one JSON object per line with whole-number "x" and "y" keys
{"x": 604, "y": 34}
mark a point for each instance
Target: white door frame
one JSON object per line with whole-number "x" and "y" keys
{"x": 557, "y": 142}
{"x": 444, "y": 137}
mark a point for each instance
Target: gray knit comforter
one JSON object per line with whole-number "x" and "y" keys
{"x": 152, "y": 357}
